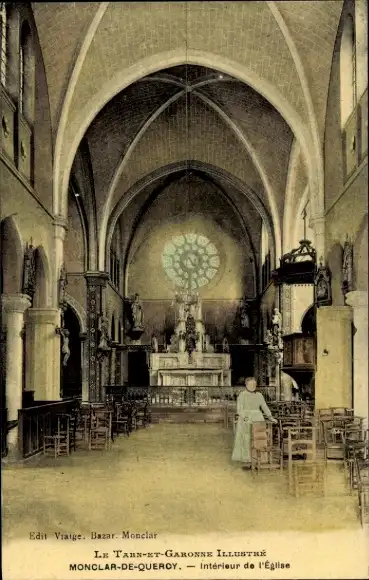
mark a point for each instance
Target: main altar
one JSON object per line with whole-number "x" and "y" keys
{"x": 189, "y": 360}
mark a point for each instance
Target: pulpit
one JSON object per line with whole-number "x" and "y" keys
{"x": 299, "y": 356}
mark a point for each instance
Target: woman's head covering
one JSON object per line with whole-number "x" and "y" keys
{"x": 250, "y": 384}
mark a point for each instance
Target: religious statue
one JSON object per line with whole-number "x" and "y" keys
{"x": 225, "y": 344}
{"x": 137, "y": 312}
{"x": 63, "y": 281}
{"x": 276, "y": 322}
{"x": 347, "y": 267}
{"x": 244, "y": 316}
{"x": 208, "y": 347}
{"x": 64, "y": 333}
{"x": 190, "y": 334}
{"x": 268, "y": 337}
{"x": 104, "y": 333}
{"x": 154, "y": 344}
{"x": 29, "y": 271}
{"x": 322, "y": 290}
{"x": 322, "y": 282}
{"x": 198, "y": 308}
{"x": 181, "y": 343}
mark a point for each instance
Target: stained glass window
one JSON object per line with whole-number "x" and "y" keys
{"x": 190, "y": 260}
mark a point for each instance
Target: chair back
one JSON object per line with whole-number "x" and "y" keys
{"x": 301, "y": 441}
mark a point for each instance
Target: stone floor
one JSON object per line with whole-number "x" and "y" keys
{"x": 167, "y": 479}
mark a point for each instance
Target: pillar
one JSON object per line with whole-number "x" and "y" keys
{"x": 113, "y": 363}
{"x": 14, "y": 306}
{"x": 96, "y": 282}
{"x": 84, "y": 366}
{"x": 359, "y": 302}
{"x": 318, "y": 224}
{"x": 333, "y": 379}
{"x": 43, "y": 354}
{"x": 60, "y": 228}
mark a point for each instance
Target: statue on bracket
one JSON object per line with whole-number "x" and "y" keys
{"x": 63, "y": 281}
{"x": 244, "y": 315}
{"x": 322, "y": 285}
{"x": 137, "y": 312}
{"x": 347, "y": 266}
{"x": 154, "y": 344}
{"x": 104, "y": 334}
{"x": 276, "y": 322}
{"x": 64, "y": 333}
{"x": 225, "y": 345}
{"x": 29, "y": 271}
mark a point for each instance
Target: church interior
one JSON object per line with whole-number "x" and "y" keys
{"x": 183, "y": 205}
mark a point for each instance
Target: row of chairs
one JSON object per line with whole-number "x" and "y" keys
{"x": 271, "y": 445}
{"x": 360, "y": 481}
{"x": 95, "y": 427}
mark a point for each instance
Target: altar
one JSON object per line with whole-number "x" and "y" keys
{"x": 185, "y": 369}
{"x": 189, "y": 360}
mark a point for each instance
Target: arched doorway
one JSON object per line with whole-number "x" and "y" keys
{"x": 71, "y": 373}
{"x": 308, "y": 323}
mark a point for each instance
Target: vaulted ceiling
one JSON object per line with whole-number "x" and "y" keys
{"x": 232, "y": 87}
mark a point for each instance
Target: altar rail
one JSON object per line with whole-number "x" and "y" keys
{"x": 185, "y": 396}
{"x": 37, "y": 421}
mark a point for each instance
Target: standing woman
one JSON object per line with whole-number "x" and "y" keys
{"x": 251, "y": 408}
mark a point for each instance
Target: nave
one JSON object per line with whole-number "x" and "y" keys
{"x": 168, "y": 479}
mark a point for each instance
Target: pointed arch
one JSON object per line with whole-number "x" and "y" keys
{"x": 42, "y": 294}
{"x": 12, "y": 255}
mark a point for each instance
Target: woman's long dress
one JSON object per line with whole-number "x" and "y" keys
{"x": 251, "y": 408}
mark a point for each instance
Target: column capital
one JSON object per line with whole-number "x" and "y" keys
{"x": 96, "y": 278}
{"x": 61, "y": 227}
{"x": 43, "y": 316}
{"x": 357, "y": 299}
{"x": 15, "y": 302}
{"x": 60, "y": 221}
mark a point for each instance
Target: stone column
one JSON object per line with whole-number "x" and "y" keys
{"x": 96, "y": 282}
{"x": 14, "y": 306}
{"x": 318, "y": 224}
{"x": 333, "y": 379}
{"x": 84, "y": 366}
{"x": 113, "y": 362}
{"x": 359, "y": 302}
{"x": 118, "y": 366}
{"x": 43, "y": 354}
{"x": 60, "y": 225}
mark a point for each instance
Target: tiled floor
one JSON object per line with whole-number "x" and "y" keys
{"x": 169, "y": 479}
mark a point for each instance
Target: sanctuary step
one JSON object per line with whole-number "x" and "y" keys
{"x": 206, "y": 414}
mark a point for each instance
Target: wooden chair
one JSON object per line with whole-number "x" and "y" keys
{"x": 334, "y": 442}
{"x": 323, "y": 415}
{"x": 362, "y": 480}
{"x": 100, "y": 433}
{"x": 301, "y": 443}
{"x": 364, "y": 506}
{"x": 59, "y": 441}
{"x": 82, "y": 427}
{"x": 121, "y": 422}
{"x": 284, "y": 425}
{"x": 304, "y": 478}
{"x": 265, "y": 454}
{"x": 142, "y": 414}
